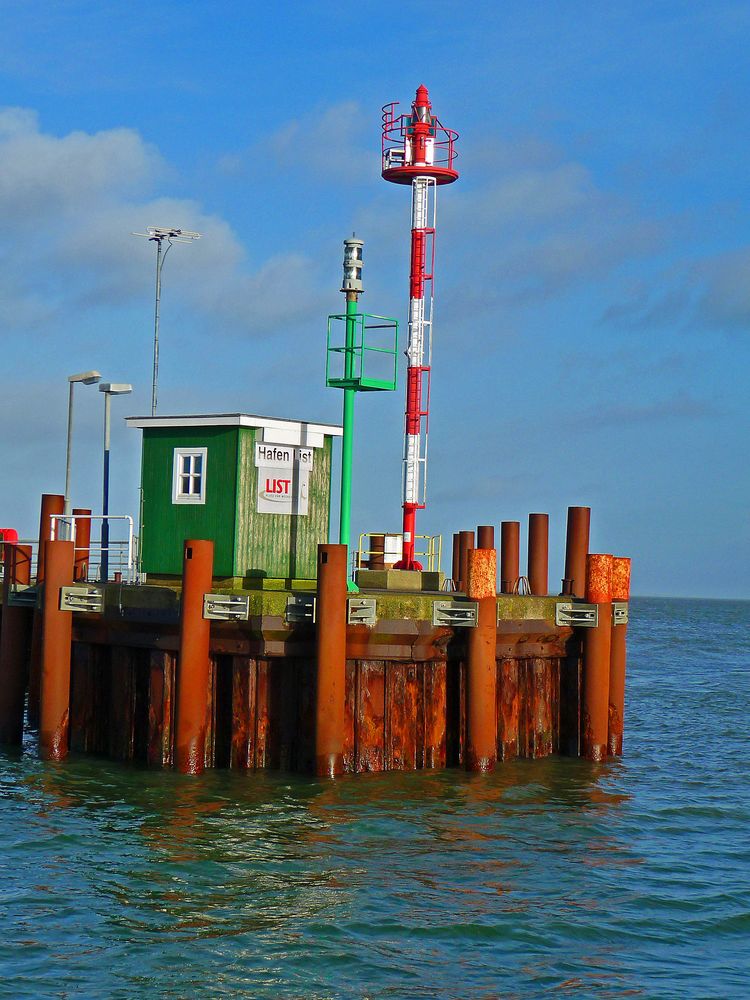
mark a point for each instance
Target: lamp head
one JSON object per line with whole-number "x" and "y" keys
{"x": 116, "y": 388}
{"x": 88, "y": 378}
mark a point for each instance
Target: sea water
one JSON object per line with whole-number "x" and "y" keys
{"x": 553, "y": 877}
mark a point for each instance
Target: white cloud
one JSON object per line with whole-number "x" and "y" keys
{"x": 69, "y": 205}
{"x": 331, "y": 144}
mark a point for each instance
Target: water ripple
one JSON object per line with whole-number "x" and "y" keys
{"x": 547, "y": 878}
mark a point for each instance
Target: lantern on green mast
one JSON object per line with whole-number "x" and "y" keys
{"x": 366, "y": 361}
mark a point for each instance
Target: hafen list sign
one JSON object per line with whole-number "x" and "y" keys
{"x": 283, "y": 478}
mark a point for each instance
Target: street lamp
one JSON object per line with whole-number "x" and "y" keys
{"x": 109, "y": 389}
{"x": 87, "y": 378}
{"x": 158, "y": 235}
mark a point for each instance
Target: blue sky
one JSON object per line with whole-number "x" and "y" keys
{"x": 592, "y": 308}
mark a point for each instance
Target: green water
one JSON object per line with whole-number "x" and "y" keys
{"x": 550, "y": 877}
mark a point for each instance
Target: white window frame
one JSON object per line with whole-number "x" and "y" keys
{"x": 179, "y": 454}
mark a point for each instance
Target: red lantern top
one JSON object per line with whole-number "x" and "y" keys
{"x": 417, "y": 145}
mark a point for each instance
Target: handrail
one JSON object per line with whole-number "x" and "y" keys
{"x": 120, "y": 552}
{"x": 433, "y": 552}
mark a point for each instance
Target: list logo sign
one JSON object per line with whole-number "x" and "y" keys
{"x": 283, "y": 478}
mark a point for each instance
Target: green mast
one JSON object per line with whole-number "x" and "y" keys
{"x": 347, "y": 448}
{"x": 367, "y": 338}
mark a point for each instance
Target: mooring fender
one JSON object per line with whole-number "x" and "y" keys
{"x": 481, "y": 709}
{"x": 330, "y": 660}
{"x": 193, "y": 665}
{"x": 57, "y": 633}
{"x": 618, "y": 658}
{"x": 596, "y": 656}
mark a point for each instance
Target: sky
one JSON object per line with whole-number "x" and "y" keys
{"x": 592, "y": 282}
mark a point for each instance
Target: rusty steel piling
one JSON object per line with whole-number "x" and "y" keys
{"x": 52, "y": 503}
{"x": 456, "y": 561}
{"x": 481, "y": 674}
{"x": 618, "y": 656}
{"x": 466, "y": 544}
{"x": 510, "y": 532}
{"x": 193, "y": 665}
{"x": 485, "y": 536}
{"x": 82, "y": 517}
{"x": 596, "y": 656}
{"x": 330, "y": 692}
{"x": 576, "y": 549}
{"x": 57, "y": 628}
{"x": 14, "y": 644}
{"x": 538, "y": 554}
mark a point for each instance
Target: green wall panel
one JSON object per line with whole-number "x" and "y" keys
{"x": 280, "y": 545}
{"x": 165, "y": 525}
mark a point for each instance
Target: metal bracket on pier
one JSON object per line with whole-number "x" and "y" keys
{"x": 361, "y": 611}
{"x": 21, "y": 596}
{"x": 577, "y": 615}
{"x": 619, "y": 612}
{"x": 462, "y": 614}
{"x": 226, "y": 607}
{"x": 300, "y": 608}
{"x": 82, "y": 598}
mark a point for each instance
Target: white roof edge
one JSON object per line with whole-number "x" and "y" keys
{"x": 232, "y": 420}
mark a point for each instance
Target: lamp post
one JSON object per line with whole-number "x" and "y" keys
{"x": 158, "y": 235}
{"x": 87, "y": 378}
{"x": 109, "y": 389}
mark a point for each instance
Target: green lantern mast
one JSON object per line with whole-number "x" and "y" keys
{"x": 367, "y": 362}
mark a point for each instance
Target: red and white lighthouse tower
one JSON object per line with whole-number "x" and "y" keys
{"x": 418, "y": 150}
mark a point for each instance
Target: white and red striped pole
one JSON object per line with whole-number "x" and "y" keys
{"x": 419, "y": 151}
{"x": 418, "y": 373}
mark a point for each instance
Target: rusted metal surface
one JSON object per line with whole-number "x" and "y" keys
{"x": 83, "y": 543}
{"x": 485, "y": 536}
{"x": 162, "y": 666}
{"x": 404, "y": 693}
{"x": 576, "y": 548}
{"x": 369, "y": 698}
{"x": 244, "y": 679}
{"x": 193, "y": 666}
{"x": 52, "y": 503}
{"x": 599, "y": 578}
{"x": 465, "y": 544}
{"x": 330, "y": 660}
{"x": 15, "y": 638}
{"x": 540, "y": 737}
{"x": 538, "y": 554}
{"x": 262, "y": 715}
{"x": 620, "y": 578}
{"x": 481, "y": 708}
{"x": 54, "y": 713}
{"x": 618, "y": 658}
{"x": 481, "y": 578}
{"x": 508, "y": 708}
{"x": 456, "y": 562}
{"x": 596, "y": 657}
{"x": 617, "y": 661}
{"x": 509, "y": 555}
{"x": 435, "y": 714}
{"x": 403, "y": 745}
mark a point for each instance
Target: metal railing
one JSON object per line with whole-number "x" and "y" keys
{"x": 426, "y": 547}
{"x": 121, "y": 552}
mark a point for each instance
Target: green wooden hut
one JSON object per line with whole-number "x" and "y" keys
{"x": 259, "y": 487}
